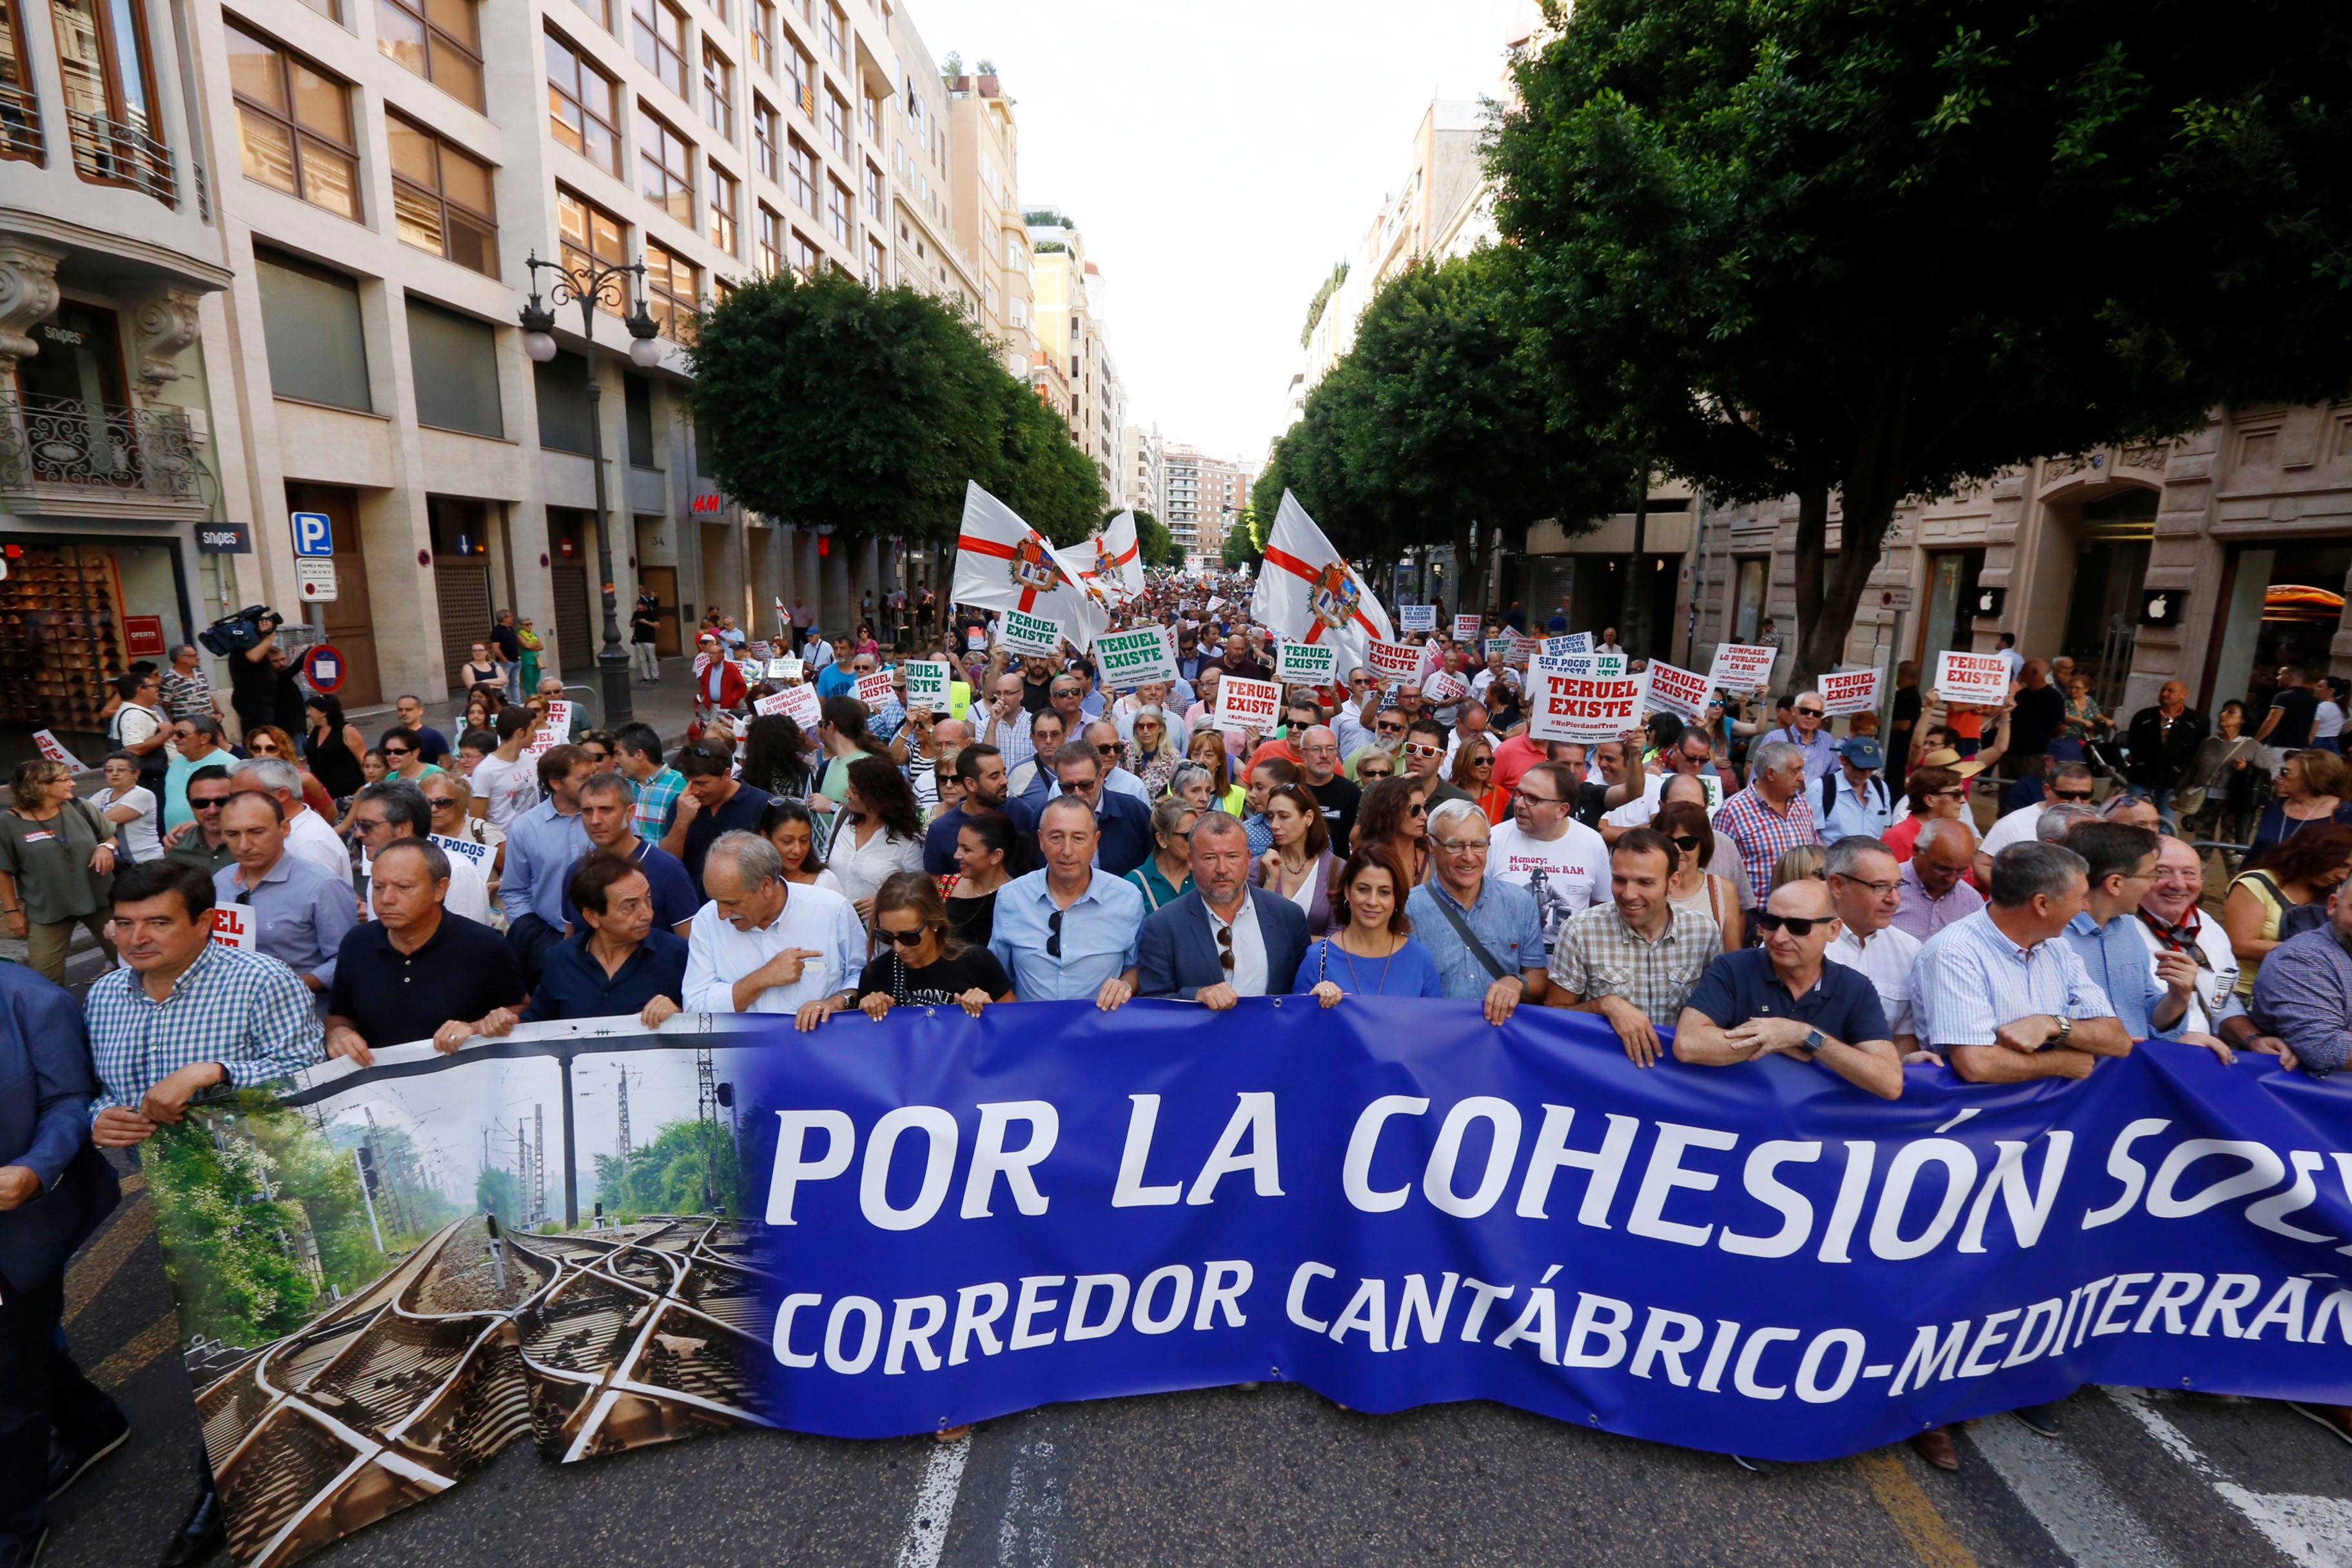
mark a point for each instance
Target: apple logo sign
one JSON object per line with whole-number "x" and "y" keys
{"x": 2159, "y": 606}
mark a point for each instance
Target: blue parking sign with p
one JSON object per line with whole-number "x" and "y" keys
{"x": 314, "y": 534}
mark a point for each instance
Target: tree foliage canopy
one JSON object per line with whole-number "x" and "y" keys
{"x": 1154, "y": 545}
{"x": 823, "y": 401}
{"x": 1880, "y": 250}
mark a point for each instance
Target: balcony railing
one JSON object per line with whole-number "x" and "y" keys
{"x": 20, "y": 125}
{"x": 121, "y": 155}
{"x": 66, "y": 443}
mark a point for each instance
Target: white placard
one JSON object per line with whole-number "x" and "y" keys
{"x": 1441, "y": 687}
{"x": 1574, "y": 699}
{"x": 1417, "y": 617}
{"x": 1669, "y": 689}
{"x": 1971, "y": 676}
{"x": 50, "y": 746}
{"x": 1569, "y": 645}
{"x": 1742, "y": 667}
{"x": 234, "y": 925}
{"x": 1849, "y": 691}
{"x": 1021, "y": 632}
{"x": 1502, "y": 645}
{"x": 873, "y": 689}
{"x": 477, "y": 855}
{"x": 1312, "y": 663}
{"x": 1393, "y": 660}
{"x": 1465, "y": 627}
{"x": 1246, "y": 704}
{"x": 555, "y": 729}
{"x": 1522, "y": 650}
{"x": 797, "y": 703}
{"x": 927, "y": 685}
{"x": 785, "y": 667}
{"x": 1132, "y": 659}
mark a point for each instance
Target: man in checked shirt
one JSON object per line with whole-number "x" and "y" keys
{"x": 185, "y": 1015}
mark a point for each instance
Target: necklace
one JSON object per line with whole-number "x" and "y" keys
{"x": 1356, "y": 981}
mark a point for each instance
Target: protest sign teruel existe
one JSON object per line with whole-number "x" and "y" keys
{"x": 1971, "y": 676}
{"x": 50, "y": 746}
{"x": 234, "y": 925}
{"x": 1441, "y": 687}
{"x": 1576, "y": 699}
{"x": 927, "y": 684}
{"x": 1133, "y": 658}
{"x": 1312, "y": 663}
{"x": 1673, "y": 689}
{"x": 1247, "y": 704}
{"x": 1465, "y": 628}
{"x": 1849, "y": 692}
{"x": 1395, "y": 661}
{"x": 1022, "y": 631}
{"x": 873, "y": 689}
{"x": 784, "y": 667}
{"x": 1742, "y": 667}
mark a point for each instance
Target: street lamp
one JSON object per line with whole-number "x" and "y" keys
{"x": 602, "y": 285}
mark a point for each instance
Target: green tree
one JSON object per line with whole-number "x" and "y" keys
{"x": 823, "y": 401}
{"x": 1242, "y": 545}
{"x": 1038, "y": 471}
{"x": 1322, "y": 301}
{"x": 665, "y": 1176}
{"x": 1876, "y": 250}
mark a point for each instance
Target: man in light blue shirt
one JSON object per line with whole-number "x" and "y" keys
{"x": 300, "y": 915}
{"x": 1070, "y": 930}
{"x": 1855, "y": 799}
{"x": 543, "y": 847}
{"x": 1805, "y": 731}
{"x": 1501, "y": 916}
{"x": 2149, "y": 1000}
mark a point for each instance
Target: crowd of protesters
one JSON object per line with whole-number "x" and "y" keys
{"x": 1748, "y": 885}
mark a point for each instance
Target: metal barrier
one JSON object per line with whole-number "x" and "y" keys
{"x": 593, "y": 698}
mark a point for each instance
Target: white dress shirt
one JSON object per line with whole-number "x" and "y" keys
{"x": 1248, "y": 975}
{"x": 2019, "y": 827}
{"x": 813, "y": 919}
{"x": 863, "y": 868}
{"x": 1885, "y": 961}
{"x": 309, "y": 837}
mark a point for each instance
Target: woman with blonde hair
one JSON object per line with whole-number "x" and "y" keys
{"x": 924, "y": 963}
{"x": 1153, "y": 754}
{"x": 1207, "y": 748}
{"x": 57, "y": 867}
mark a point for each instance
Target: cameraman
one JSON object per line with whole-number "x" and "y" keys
{"x": 259, "y": 683}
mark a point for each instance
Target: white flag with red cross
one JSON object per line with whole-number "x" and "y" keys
{"x": 1112, "y": 561}
{"x": 1003, "y": 564}
{"x": 1310, "y": 594}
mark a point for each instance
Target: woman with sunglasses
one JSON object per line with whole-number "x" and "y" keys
{"x": 1166, "y": 874}
{"x": 2313, "y": 787}
{"x": 1371, "y": 952}
{"x": 1300, "y": 866}
{"x": 1395, "y": 813}
{"x": 922, "y": 964}
{"x": 1937, "y": 790}
{"x": 1693, "y": 888}
{"x": 1473, "y": 774}
{"x": 1207, "y": 749}
{"x": 269, "y": 740}
{"x": 1153, "y": 755}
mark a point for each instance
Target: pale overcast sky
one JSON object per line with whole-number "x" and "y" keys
{"x": 1220, "y": 155}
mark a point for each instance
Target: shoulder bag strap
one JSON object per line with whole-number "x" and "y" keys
{"x": 1470, "y": 938}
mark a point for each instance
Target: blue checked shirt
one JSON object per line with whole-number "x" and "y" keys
{"x": 2117, "y": 963}
{"x": 244, "y": 1010}
{"x": 1969, "y": 980}
{"x": 657, "y": 803}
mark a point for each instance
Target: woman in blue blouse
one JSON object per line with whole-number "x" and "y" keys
{"x": 1373, "y": 952}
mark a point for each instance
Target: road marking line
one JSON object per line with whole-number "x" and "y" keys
{"x": 1924, "y": 1529}
{"x": 935, "y": 1500}
{"x": 2315, "y": 1532}
{"x": 152, "y": 1341}
{"x": 106, "y": 1257}
{"x": 2067, "y": 1498}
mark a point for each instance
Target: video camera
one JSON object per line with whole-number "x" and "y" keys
{"x": 237, "y": 633}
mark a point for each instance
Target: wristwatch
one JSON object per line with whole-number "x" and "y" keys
{"x": 1814, "y": 1041}
{"x": 2066, "y": 1030}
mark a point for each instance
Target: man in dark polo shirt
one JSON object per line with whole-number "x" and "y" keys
{"x": 618, "y": 960}
{"x": 1784, "y": 998}
{"x": 416, "y": 971}
{"x": 608, "y": 813}
{"x": 713, "y": 802}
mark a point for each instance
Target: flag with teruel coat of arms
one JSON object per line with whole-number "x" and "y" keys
{"x": 1111, "y": 562}
{"x": 1003, "y": 564}
{"x": 1309, "y": 593}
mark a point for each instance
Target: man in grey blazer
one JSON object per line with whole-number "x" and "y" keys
{"x": 54, "y": 1189}
{"x": 1224, "y": 940}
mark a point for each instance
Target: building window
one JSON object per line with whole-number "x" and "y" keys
{"x": 840, "y": 216}
{"x": 600, "y": 9}
{"x": 591, "y": 237}
{"x": 717, "y": 93}
{"x": 718, "y": 9}
{"x": 763, "y": 139}
{"x": 836, "y": 122}
{"x": 584, "y": 106}
{"x": 441, "y": 199}
{"x": 675, "y": 288}
{"x": 20, "y": 109}
{"x": 873, "y": 193}
{"x": 664, "y": 166}
{"x": 456, "y": 361}
{"x": 877, "y": 265}
{"x": 804, "y": 257}
{"x": 763, "y": 35}
{"x": 804, "y": 173}
{"x": 440, "y": 40}
{"x": 837, "y": 36}
{"x": 873, "y": 120}
{"x": 772, "y": 240}
{"x": 294, "y": 125}
{"x": 800, "y": 69}
{"x": 724, "y": 208}
{"x": 312, "y": 331}
{"x": 104, "y": 55}
{"x": 661, "y": 42}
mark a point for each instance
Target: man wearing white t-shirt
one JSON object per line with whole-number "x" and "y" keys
{"x": 1543, "y": 848}
{"x": 1866, "y": 889}
{"x": 2066, "y": 782}
{"x": 506, "y": 782}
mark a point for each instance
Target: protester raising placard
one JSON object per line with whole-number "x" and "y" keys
{"x": 873, "y": 689}
{"x": 1741, "y": 667}
{"x": 1443, "y": 688}
{"x": 927, "y": 684}
{"x": 1021, "y": 632}
{"x": 1849, "y": 692}
{"x": 1574, "y": 699}
{"x": 1417, "y": 617}
{"x": 1395, "y": 661}
{"x": 1133, "y": 658}
{"x": 1569, "y": 645}
{"x": 1669, "y": 689}
{"x": 1247, "y": 704}
{"x": 1465, "y": 628}
{"x": 1971, "y": 676}
{"x": 1312, "y": 663}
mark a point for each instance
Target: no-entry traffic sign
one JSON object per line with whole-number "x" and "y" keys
{"x": 323, "y": 668}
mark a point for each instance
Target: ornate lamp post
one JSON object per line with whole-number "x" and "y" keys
{"x": 603, "y": 285}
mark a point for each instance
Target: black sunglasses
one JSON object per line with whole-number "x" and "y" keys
{"x": 2075, "y": 794}
{"x": 1809, "y": 712}
{"x": 1688, "y": 843}
{"x": 915, "y": 938}
{"x": 1796, "y": 925}
{"x": 1053, "y": 934}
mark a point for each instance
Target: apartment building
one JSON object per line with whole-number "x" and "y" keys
{"x": 984, "y": 144}
{"x": 1069, "y": 330}
{"x": 266, "y": 257}
{"x": 1205, "y": 496}
{"x": 1145, "y": 466}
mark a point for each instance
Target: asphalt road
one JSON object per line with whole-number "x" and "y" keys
{"x": 1277, "y": 1475}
